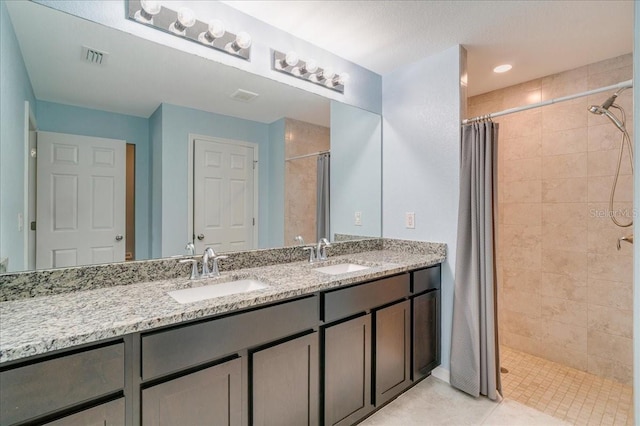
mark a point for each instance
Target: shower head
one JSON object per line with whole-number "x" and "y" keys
{"x": 601, "y": 110}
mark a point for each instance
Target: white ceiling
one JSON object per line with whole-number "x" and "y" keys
{"x": 538, "y": 38}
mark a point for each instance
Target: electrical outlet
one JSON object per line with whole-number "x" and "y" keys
{"x": 358, "y": 218}
{"x": 410, "y": 220}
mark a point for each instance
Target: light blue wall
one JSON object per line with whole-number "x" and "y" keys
{"x": 356, "y": 170}
{"x": 16, "y": 89}
{"x": 155, "y": 157}
{"x": 177, "y": 123}
{"x": 363, "y": 90}
{"x": 55, "y": 117}
{"x": 276, "y": 184}
{"x": 421, "y": 133}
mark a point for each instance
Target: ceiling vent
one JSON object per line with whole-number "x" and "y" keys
{"x": 94, "y": 56}
{"x": 243, "y": 95}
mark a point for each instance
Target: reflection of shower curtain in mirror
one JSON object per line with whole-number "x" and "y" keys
{"x": 322, "y": 206}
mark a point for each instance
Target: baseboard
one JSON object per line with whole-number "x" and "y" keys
{"x": 441, "y": 373}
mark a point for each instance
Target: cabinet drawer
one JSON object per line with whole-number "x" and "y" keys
{"x": 107, "y": 414}
{"x": 182, "y": 347}
{"x": 426, "y": 279}
{"x": 43, "y": 387}
{"x": 349, "y": 301}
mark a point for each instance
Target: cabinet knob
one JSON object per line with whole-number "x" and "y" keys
{"x": 201, "y": 237}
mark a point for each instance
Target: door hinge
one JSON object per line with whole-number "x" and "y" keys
{"x": 254, "y": 164}
{"x": 32, "y": 226}
{"x": 254, "y": 221}
{"x": 33, "y": 153}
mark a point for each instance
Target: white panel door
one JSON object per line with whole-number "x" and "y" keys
{"x": 223, "y": 202}
{"x": 81, "y": 200}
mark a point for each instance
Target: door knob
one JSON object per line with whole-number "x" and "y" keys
{"x": 119, "y": 237}
{"x": 201, "y": 237}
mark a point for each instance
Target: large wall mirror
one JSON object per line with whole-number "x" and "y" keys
{"x": 118, "y": 148}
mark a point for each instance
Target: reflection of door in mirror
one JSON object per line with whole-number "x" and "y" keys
{"x": 303, "y": 143}
{"x": 80, "y": 205}
{"x": 225, "y": 195}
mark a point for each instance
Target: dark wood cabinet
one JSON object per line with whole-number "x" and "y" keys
{"x": 107, "y": 414}
{"x": 426, "y": 341}
{"x": 347, "y": 371}
{"x": 285, "y": 383}
{"x": 392, "y": 349}
{"x": 210, "y": 396}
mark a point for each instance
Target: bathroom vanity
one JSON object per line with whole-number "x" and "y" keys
{"x": 311, "y": 349}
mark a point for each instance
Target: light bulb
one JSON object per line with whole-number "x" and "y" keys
{"x": 215, "y": 30}
{"x": 343, "y": 78}
{"x": 327, "y": 73}
{"x": 186, "y": 19}
{"x": 310, "y": 66}
{"x": 243, "y": 40}
{"x": 291, "y": 59}
{"x": 149, "y": 9}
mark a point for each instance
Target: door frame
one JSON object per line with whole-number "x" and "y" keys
{"x": 30, "y": 125}
{"x": 190, "y": 176}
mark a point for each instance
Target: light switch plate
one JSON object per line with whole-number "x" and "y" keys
{"x": 410, "y": 220}
{"x": 358, "y": 218}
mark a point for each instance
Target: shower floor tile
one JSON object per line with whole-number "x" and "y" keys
{"x": 563, "y": 392}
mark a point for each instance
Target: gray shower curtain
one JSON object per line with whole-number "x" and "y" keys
{"x": 322, "y": 205}
{"x": 475, "y": 365}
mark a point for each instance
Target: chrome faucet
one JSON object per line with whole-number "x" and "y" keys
{"x": 190, "y": 248}
{"x": 208, "y": 254}
{"x": 299, "y": 240}
{"x": 628, "y": 238}
{"x": 321, "y": 249}
{"x": 194, "y": 268}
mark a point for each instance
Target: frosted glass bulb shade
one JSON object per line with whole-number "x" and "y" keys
{"x": 343, "y": 78}
{"x": 328, "y": 73}
{"x": 311, "y": 66}
{"x": 291, "y": 59}
{"x": 243, "y": 40}
{"x": 186, "y": 17}
{"x": 216, "y": 28}
{"x": 152, "y": 7}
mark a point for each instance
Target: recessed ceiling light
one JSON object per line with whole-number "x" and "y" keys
{"x": 502, "y": 68}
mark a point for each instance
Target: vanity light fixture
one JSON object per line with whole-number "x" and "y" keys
{"x": 290, "y": 63}
{"x": 184, "y": 23}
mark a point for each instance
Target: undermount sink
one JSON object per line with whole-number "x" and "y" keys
{"x": 341, "y": 268}
{"x": 196, "y": 294}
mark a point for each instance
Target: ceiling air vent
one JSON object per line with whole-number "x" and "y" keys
{"x": 94, "y": 56}
{"x": 243, "y": 95}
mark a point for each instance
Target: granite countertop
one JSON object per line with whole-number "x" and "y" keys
{"x": 42, "y": 324}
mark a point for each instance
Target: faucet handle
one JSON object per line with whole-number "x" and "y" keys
{"x": 194, "y": 267}
{"x": 216, "y": 270}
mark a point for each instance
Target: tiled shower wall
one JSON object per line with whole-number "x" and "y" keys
{"x": 300, "y": 178}
{"x": 565, "y": 291}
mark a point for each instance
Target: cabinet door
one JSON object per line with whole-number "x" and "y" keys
{"x": 107, "y": 414}
{"x": 285, "y": 383}
{"x": 347, "y": 371}
{"x": 393, "y": 351}
{"x": 426, "y": 333}
{"x": 210, "y": 396}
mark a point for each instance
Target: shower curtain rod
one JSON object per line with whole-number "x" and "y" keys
{"x": 622, "y": 85}
{"x": 313, "y": 154}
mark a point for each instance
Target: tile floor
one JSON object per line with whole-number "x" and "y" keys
{"x": 536, "y": 392}
{"x": 572, "y": 395}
